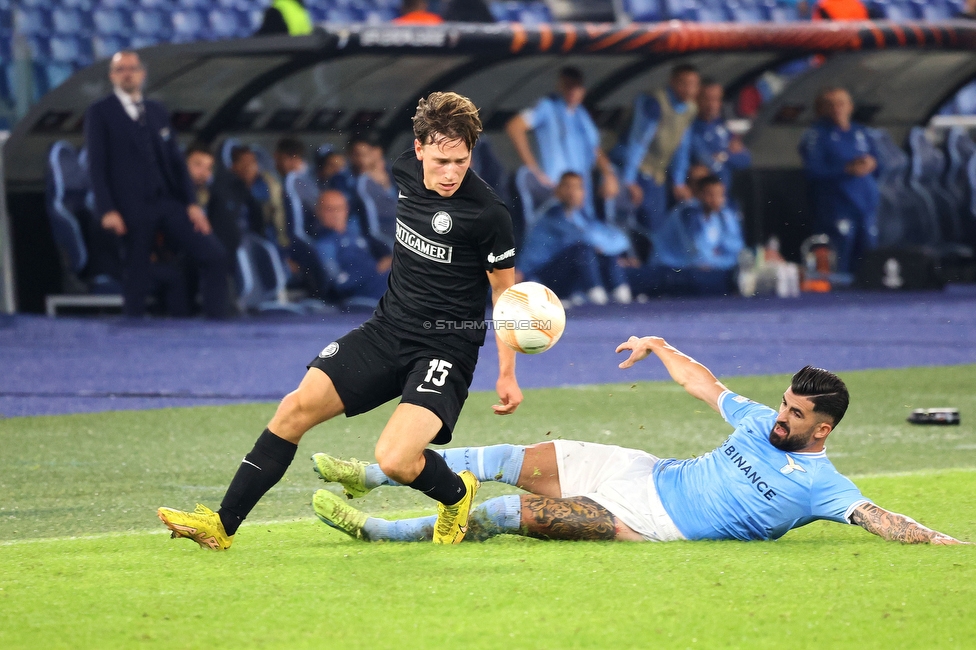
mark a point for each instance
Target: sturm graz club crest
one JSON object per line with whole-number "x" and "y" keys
{"x": 329, "y": 350}
{"x": 441, "y": 223}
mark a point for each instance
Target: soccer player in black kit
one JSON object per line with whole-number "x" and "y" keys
{"x": 454, "y": 240}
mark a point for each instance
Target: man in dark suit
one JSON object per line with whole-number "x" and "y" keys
{"x": 142, "y": 187}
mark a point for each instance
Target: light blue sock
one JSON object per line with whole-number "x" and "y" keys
{"x": 493, "y": 517}
{"x": 496, "y": 516}
{"x": 420, "y": 529}
{"x": 502, "y": 463}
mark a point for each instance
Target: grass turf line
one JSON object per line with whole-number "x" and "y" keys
{"x": 302, "y": 584}
{"x": 299, "y": 584}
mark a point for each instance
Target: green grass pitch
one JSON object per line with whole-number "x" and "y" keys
{"x": 84, "y": 562}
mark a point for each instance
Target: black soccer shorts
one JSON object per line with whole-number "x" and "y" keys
{"x": 374, "y": 363}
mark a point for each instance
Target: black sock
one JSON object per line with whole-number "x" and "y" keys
{"x": 258, "y": 473}
{"x": 438, "y": 481}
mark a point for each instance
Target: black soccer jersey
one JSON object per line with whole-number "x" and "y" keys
{"x": 444, "y": 246}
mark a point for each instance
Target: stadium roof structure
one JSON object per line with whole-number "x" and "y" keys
{"x": 340, "y": 80}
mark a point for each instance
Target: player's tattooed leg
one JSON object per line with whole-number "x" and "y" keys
{"x": 575, "y": 518}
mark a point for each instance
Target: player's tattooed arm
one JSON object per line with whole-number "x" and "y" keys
{"x": 897, "y": 528}
{"x": 575, "y": 518}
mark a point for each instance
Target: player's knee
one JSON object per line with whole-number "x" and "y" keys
{"x": 294, "y": 416}
{"x": 401, "y": 467}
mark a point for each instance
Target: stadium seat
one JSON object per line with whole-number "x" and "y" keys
{"x": 648, "y": 11}
{"x": 71, "y": 49}
{"x": 933, "y": 9}
{"x": 778, "y": 11}
{"x": 201, "y": 5}
{"x": 67, "y": 186}
{"x": 39, "y": 48}
{"x": 55, "y": 74}
{"x": 89, "y": 257}
{"x": 229, "y": 23}
{"x": 300, "y": 196}
{"x": 112, "y": 22}
{"x": 261, "y": 277}
{"x": 960, "y": 149}
{"x": 32, "y": 21}
{"x": 927, "y": 169}
{"x": 532, "y": 195}
{"x": 106, "y": 46}
{"x": 72, "y": 21}
{"x": 190, "y": 25}
{"x": 379, "y": 209}
{"x": 152, "y": 22}
{"x": 744, "y": 11}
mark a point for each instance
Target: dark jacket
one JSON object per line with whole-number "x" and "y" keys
{"x": 233, "y": 210}
{"x": 132, "y": 165}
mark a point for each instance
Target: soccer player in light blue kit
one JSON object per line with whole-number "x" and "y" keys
{"x": 771, "y": 475}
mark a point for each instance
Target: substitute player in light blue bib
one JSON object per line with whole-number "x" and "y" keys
{"x": 770, "y": 476}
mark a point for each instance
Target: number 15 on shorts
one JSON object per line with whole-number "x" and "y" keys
{"x": 437, "y": 372}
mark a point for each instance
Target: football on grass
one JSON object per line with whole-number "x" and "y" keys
{"x": 529, "y": 318}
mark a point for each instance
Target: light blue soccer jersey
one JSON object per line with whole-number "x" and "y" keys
{"x": 747, "y": 488}
{"x": 567, "y": 138}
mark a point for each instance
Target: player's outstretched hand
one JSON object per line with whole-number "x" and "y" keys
{"x": 942, "y": 539}
{"x": 639, "y": 349}
{"x": 509, "y": 396}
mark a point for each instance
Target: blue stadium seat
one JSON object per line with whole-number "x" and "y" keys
{"x": 960, "y": 148}
{"x": 648, "y": 11}
{"x": 33, "y": 21}
{"x": 106, "y": 46}
{"x": 202, "y": 5}
{"x": 140, "y": 41}
{"x": 678, "y": 9}
{"x": 927, "y": 171}
{"x": 89, "y": 255}
{"x": 67, "y": 186}
{"x": 379, "y": 207}
{"x": 965, "y": 99}
{"x": 72, "y": 21}
{"x": 152, "y": 22}
{"x": 300, "y": 196}
{"x": 229, "y": 23}
{"x": 744, "y": 11}
{"x": 51, "y": 75}
{"x": 37, "y": 4}
{"x": 533, "y": 196}
{"x": 934, "y": 9}
{"x": 256, "y": 17}
{"x": 71, "y": 49}
{"x": 261, "y": 277}
{"x": 39, "y": 48}
{"x": 190, "y": 25}
{"x": 112, "y": 22}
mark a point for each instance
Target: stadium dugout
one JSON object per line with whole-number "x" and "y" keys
{"x": 337, "y": 81}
